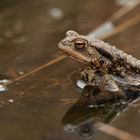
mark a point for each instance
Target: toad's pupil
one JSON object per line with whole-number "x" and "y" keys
{"x": 79, "y": 44}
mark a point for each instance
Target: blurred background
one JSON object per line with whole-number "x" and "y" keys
{"x": 34, "y": 101}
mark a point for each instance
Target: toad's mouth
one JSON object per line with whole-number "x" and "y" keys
{"x": 73, "y": 54}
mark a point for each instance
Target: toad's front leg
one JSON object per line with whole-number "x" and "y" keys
{"x": 83, "y": 77}
{"x": 92, "y": 95}
{"x": 101, "y": 88}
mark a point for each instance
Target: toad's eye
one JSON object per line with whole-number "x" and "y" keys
{"x": 79, "y": 44}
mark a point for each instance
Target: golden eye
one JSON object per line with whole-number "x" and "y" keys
{"x": 79, "y": 44}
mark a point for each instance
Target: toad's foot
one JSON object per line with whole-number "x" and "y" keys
{"x": 106, "y": 82}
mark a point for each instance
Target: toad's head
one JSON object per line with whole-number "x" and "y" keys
{"x": 78, "y": 47}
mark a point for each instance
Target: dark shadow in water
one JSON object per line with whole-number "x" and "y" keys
{"x": 88, "y": 110}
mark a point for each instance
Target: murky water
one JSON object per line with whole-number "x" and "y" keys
{"x": 34, "y": 107}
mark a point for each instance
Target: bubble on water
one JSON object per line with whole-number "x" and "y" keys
{"x": 56, "y": 13}
{"x": 21, "y": 72}
{"x": 124, "y": 102}
{"x": 91, "y": 106}
{"x": 11, "y": 100}
{"x": 3, "y": 88}
{"x": 4, "y": 81}
{"x": 2, "y": 84}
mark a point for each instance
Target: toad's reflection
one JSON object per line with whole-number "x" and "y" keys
{"x": 88, "y": 110}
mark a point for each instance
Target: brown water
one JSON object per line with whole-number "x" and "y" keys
{"x": 33, "y": 108}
